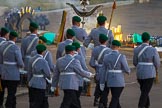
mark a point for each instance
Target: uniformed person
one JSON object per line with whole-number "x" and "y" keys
{"x": 4, "y": 35}
{"x": 114, "y": 67}
{"x": 61, "y": 46}
{"x": 94, "y": 34}
{"x": 47, "y": 55}
{"x": 38, "y": 73}
{"x": 28, "y": 44}
{"x": 96, "y": 61}
{"x": 11, "y": 58}
{"x": 66, "y": 73}
{"x": 147, "y": 61}
{"x": 83, "y": 64}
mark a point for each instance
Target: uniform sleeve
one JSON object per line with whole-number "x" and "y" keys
{"x": 111, "y": 38}
{"x": 88, "y": 39}
{"x": 29, "y": 69}
{"x": 56, "y": 76}
{"x": 84, "y": 33}
{"x": 83, "y": 63}
{"x": 1, "y": 57}
{"x": 23, "y": 49}
{"x": 19, "y": 58}
{"x": 49, "y": 59}
{"x": 156, "y": 59}
{"x": 58, "y": 52}
{"x": 135, "y": 58}
{"x": 125, "y": 66}
{"x": 103, "y": 72}
{"x": 92, "y": 59}
{"x": 79, "y": 70}
{"x": 46, "y": 70}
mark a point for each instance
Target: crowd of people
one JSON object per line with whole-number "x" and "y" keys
{"x": 70, "y": 69}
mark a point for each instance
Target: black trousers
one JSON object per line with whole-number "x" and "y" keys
{"x": 104, "y": 97}
{"x": 70, "y": 99}
{"x": 37, "y": 98}
{"x": 11, "y": 92}
{"x": 97, "y": 92}
{"x": 78, "y": 97}
{"x": 145, "y": 87}
{"x": 116, "y": 92}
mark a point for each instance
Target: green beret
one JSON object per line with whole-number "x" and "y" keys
{"x": 103, "y": 37}
{"x": 101, "y": 19}
{"x": 34, "y": 25}
{"x": 70, "y": 32}
{"x": 40, "y": 47}
{"x": 69, "y": 48}
{"x": 14, "y": 34}
{"x": 76, "y": 18}
{"x": 116, "y": 43}
{"x": 5, "y": 30}
{"x": 43, "y": 39}
{"x": 145, "y": 36}
{"x": 76, "y": 44}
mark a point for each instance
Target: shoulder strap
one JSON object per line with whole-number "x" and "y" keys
{"x": 69, "y": 63}
{"x": 117, "y": 61}
{"x": 31, "y": 43}
{"x": 5, "y": 50}
{"x": 101, "y": 53}
{"x": 46, "y": 54}
{"x": 35, "y": 61}
{"x": 2, "y": 42}
{"x": 108, "y": 33}
{"x": 140, "y": 53}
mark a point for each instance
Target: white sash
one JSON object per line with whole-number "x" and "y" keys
{"x": 5, "y": 50}
{"x": 69, "y": 64}
{"x": 100, "y": 55}
{"x": 117, "y": 61}
{"x": 30, "y": 45}
{"x": 140, "y": 53}
{"x": 2, "y": 42}
{"x": 45, "y": 55}
{"x": 35, "y": 61}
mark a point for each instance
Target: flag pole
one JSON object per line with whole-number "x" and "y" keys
{"x": 112, "y": 12}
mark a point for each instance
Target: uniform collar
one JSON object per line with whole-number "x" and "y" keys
{"x": 69, "y": 55}
{"x": 103, "y": 45}
{"x": 75, "y": 26}
{"x": 69, "y": 40}
{"x": 40, "y": 55}
{"x": 10, "y": 41}
{"x": 115, "y": 51}
{"x": 33, "y": 34}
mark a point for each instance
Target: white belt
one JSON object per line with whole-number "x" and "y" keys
{"x": 68, "y": 73}
{"x": 115, "y": 71}
{"x": 145, "y": 63}
{"x": 39, "y": 76}
{"x": 9, "y": 63}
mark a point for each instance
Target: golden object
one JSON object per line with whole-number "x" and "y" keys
{"x": 56, "y": 93}
{"x": 1, "y": 87}
{"x": 61, "y": 29}
{"x": 157, "y": 78}
{"x": 89, "y": 90}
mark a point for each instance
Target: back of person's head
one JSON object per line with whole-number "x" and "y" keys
{"x": 69, "y": 48}
{"x": 40, "y": 48}
{"x": 145, "y": 36}
{"x": 4, "y": 31}
{"x": 76, "y": 44}
{"x": 76, "y": 19}
{"x": 13, "y": 35}
{"x": 101, "y": 20}
{"x": 70, "y": 34}
{"x": 33, "y": 27}
{"x": 103, "y": 38}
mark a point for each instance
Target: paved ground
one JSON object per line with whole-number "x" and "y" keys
{"x": 129, "y": 97}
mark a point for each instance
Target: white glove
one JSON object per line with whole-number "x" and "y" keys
{"x": 53, "y": 89}
{"x": 86, "y": 79}
{"x": 92, "y": 75}
{"x": 102, "y": 86}
{"x": 49, "y": 80}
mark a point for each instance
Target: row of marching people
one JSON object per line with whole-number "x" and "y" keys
{"x": 70, "y": 70}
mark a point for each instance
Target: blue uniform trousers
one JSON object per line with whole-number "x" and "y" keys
{"x": 145, "y": 87}
{"x": 11, "y": 89}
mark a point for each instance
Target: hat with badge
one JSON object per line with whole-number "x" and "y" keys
{"x": 70, "y": 32}
{"x": 101, "y": 19}
{"x": 14, "y": 34}
{"x": 4, "y": 30}
{"x": 145, "y": 36}
{"x": 34, "y": 25}
{"x": 116, "y": 43}
{"x": 69, "y": 48}
{"x": 76, "y": 18}
{"x": 41, "y": 48}
{"x": 76, "y": 44}
{"x": 103, "y": 37}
